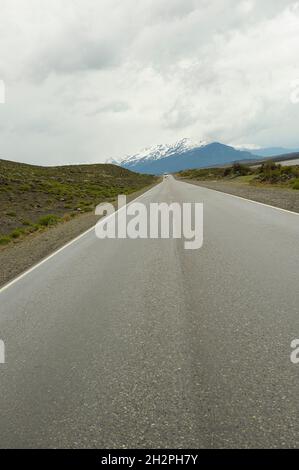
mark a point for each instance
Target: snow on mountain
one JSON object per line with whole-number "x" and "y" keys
{"x": 185, "y": 146}
{"x": 159, "y": 151}
{"x": 182, "y": 155}
{"x": 186, "y": 154}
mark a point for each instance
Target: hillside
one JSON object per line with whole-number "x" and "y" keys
{"x": 33, "y": 197}
{"x": 272, "y": 151}
{"x": 268, "y": 174}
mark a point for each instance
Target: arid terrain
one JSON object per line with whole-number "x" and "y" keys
{"x": 43, "y": 208}
{"x": 34, "y": 197}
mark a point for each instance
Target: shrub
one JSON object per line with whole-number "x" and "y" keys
{"x": 296, "y": 184}
{"x": 4, "y": 240}
{"x": 34, "y": 228}
{"x": 48, "y": 220}
{"x": 240, "y": 169}
{"x": 227, "y": 171}
{"x": 268, "y": 166}
{"x": 17, "y": 233}
{"x": 270, "y": 172}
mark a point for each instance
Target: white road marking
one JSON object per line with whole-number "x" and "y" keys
{"x": 18, "y": 278}
{"x": 243, "y": 198}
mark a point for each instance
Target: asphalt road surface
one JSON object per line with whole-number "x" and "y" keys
{"x": 141, "y": 343}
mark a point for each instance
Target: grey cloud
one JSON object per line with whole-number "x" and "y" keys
{"x": 216, "y": 69}
{"x": 111, "y": 107}
{"x": 179, "y": 116}
{"x": 76, "y": 55}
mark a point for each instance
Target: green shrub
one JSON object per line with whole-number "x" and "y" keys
{"x": 4, "y": 240}
{"x": 296, "y": 184}
{"x": 239, "y": 169}
{"x": 34, "y": 228}
{"x": 17, "y": 233}
{"x": 269, "y": 172}
{"x": 227, "y": 171}
{"x": 48, "y": 220}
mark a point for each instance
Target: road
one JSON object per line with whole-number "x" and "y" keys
{"x": 141, "y": 343}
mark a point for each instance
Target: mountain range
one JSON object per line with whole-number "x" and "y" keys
{"x": 185, "y": 154}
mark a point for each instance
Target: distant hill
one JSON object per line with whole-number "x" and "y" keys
{"x": 182, "y": 156}
{"x": 272, "y": 151}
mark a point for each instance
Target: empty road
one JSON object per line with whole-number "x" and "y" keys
{"x": 141, "y": 343}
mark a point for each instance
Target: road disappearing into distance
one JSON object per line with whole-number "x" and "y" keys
{"x": 141, "y": 343}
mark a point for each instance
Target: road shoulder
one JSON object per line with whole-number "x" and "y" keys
{"x": 283, "y": 198}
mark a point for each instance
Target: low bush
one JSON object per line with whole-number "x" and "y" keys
{"x": 296, "y": 184}
{"x": 34, "y": 228}
{"x": 4, "y": 240}
{"x": 271, "y": 172}
{"x": 47, "y": 220}
{"x": 238, "y": 169}
{"x": 17, "y": 233}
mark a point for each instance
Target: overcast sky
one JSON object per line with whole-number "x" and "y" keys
{"x": 91, "y": 79}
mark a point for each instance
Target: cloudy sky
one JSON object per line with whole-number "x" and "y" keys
{"x": 91, "y": 79}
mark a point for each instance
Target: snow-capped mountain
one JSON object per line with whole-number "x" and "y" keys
{"x": 159, "y": 151}
{"x": 184, "y": 154}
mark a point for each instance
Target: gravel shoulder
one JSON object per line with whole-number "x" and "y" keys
{"x": 284, "y": 198}
{"x": 26, "y": 252}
